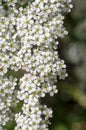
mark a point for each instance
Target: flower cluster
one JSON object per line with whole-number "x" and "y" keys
{"x": 29, "y": 32}
{"x": 7, "y": 98}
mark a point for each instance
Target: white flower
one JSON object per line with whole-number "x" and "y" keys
{"x": 28, "y": 42}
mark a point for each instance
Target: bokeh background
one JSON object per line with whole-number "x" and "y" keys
{"x": 69, "y": 105}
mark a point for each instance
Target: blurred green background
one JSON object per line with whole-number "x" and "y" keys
{"x": 69, "y": 105}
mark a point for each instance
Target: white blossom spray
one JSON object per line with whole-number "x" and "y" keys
{"x": 29, "y": 32}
